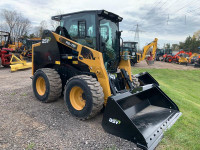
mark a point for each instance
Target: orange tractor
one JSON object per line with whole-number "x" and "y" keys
{"x": 5, "y": 55}
{"x": 180, "y": 57}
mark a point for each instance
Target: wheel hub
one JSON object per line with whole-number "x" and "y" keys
{"x": 77, "y": 98}
{"x": 40, "y": 86}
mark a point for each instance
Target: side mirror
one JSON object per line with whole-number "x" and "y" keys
{"x": 119, "y": 33}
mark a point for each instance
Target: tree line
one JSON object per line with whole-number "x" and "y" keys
{"x": 20, "y": 26}
{"x": 191, "y": 44}
{"x": 14, "y": 23}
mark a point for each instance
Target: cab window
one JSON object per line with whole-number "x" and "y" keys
{"x": 81, "y": 28}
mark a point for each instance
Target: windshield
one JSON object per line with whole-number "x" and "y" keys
{"x": 110, "y": 44}
{"x": 131, "y": 46}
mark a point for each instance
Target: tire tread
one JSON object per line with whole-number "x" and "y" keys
{"x": 96, "y": 91}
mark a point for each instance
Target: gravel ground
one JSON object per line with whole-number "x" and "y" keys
{"x": 26, "y": 123}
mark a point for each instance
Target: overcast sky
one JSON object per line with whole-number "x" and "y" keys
{"x": 170, "y": 21}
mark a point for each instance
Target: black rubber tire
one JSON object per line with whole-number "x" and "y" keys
{"x": 93, "y": 93}
{"x": 132, "y": 63}
{"x": 6, "y": 66}
{"x": 53, "y": 85}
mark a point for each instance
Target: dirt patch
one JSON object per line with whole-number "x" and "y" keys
{"x": 164, "y": 65}
{"x": 26, "y": 123}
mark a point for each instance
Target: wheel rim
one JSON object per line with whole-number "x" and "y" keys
{"x": 76, "y": 98}
{"x": 40, "y": 86}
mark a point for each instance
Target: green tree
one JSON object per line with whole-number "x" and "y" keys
{"x": 168, "y": 46}
{"x": 32, "y": 35}
{"x": 175, "y": 47}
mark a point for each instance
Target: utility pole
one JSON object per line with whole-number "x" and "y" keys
{"x": 168, "y": 19}
{"x": 137, "y": 37}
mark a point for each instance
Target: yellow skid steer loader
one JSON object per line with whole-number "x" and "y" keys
{"x": 82, "y": 59}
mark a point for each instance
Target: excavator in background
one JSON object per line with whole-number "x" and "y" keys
{"x": 192, "y": 59}
{"x": 136, "y": 57}
{"x": 82, "y": 60}
{"x": 149, "y": 59}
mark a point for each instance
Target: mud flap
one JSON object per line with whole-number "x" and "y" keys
{"x": 140, "y": 116}
{"x": 145, "y": 78}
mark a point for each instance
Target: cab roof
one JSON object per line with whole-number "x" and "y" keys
{"x": 130, "y": 42}
{"x": 102, "y": 13}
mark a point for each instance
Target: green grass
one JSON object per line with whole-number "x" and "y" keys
{"x": 183, "y": 87}
{"x": 30, "y": 146}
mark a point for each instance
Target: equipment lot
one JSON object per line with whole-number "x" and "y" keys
{"x": 26, "y": 123}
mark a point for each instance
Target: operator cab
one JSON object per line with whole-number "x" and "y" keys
{"x": 131, "y": 47}
{"x": 98, "y": 29}
{"x": 4, "y": 39}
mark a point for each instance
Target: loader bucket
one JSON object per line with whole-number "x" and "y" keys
{"x": 145, "y": 78}
{"x": 140, "y": 116}
{"x": 150, "y": 62}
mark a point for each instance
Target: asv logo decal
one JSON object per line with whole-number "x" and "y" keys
{"x": 46, "y": 40}
{"x": 70, "y": 44}
{"x": 115, "y": 121}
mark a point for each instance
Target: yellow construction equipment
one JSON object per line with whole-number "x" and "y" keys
{"x": 23, "y": 60}
{"x": 82, "y": 60}
{"x": 136, "y": 57}
{"x": 150, "y": 59}
{"x": 183, "y": 57}
{"x": 19, "y": 63}
{"x": 192, "y": 58}
{"x": 9, "y": 53}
